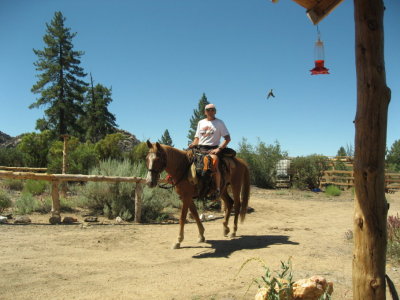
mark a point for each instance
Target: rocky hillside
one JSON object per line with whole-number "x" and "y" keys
{"x": 128, "y": 142}
{"x": 7, "y": 141}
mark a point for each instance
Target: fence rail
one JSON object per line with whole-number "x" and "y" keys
{"x": 56, "y": 179}
{"x": 346, "y": 179}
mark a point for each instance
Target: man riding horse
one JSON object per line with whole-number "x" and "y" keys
{"x": 207, "y": 139}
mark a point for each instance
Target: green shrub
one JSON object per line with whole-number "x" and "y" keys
{"x": 108, "y": 148}
{"x": 156, "y": 203}
{"x": 35, "y": 147}
{"x": 43, "y": 205}
{"x": 5, "y": 201}
{"x": 13, "y": 184}
{"x": 332, "y": 190}
{"x": 307, "y": 171}
{"x": 80, "y": 159}
{"x": 35, "y": 187}
{"x": 262, "y": 160}
{"x": 276, "y": 286}
{"x": 114, "y": 199}
{"x": 26, "y": 203}
{"x": 393, "y": 246}
{"x": 139, "y": 152}
{"x": 11, "y": 157}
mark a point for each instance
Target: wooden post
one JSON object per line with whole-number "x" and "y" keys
{"x": 56, "y": 206}
{"x": 370, "y": 209}
{"x": 138, "y": 202}
{"x": 64, "y": 165}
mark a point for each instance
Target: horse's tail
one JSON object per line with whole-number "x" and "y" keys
{"x": 245, "y": 191}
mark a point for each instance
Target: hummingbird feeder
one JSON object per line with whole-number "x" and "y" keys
{"x": 319, "y": 57}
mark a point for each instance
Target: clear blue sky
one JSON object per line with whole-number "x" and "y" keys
{"x": 160, "y": 56}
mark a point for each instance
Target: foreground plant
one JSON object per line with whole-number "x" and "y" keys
{"x": 273, "y": 287}
{"x": 279, "y": 285}
{"x": 393, "y": 228}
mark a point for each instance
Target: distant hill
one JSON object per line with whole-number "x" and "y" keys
{"x": 7, "y": 141}
{"x": 126, "y": 144}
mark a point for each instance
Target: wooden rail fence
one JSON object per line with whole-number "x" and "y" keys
{"x": 56, "y": 179}
{"x": 346, "y": 179}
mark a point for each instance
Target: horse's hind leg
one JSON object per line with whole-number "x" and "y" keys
{"x": 200, "y": 226}
{"x": 228, "y": 208}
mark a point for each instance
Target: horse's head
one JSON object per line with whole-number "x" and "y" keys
{"x": 156, "y": 161}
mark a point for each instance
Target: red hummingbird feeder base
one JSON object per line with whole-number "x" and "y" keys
{"x": 319, "y": 68}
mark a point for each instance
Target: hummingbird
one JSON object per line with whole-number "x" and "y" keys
{"x": 270, "y": 94}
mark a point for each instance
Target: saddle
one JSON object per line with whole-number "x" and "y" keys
{"x": 203, "y": 169}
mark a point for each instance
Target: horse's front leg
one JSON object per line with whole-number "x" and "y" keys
{"x": 182, "y": 221}
{"x": 236, "y": 206}
{"x": 200, "y": 226}
{"x": 228, "y": 208}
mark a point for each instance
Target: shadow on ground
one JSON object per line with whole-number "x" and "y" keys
{"x": 224, "y": 248}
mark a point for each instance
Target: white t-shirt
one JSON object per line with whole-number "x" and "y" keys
{"x": 210, "y": 132}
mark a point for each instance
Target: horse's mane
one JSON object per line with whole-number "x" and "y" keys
{"x": 175, "y": 157}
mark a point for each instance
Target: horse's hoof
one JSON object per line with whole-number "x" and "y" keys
{"x": 233, "y": 235}
{"x": 201, "y": 240}
{"x": 226, "y": 231}
{"x": 176, "y": 246}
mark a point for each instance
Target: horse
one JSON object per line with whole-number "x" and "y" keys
{"x": 177, "y": 164}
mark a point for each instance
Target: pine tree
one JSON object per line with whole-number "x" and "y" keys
{"x": 341, "y": 152}
{"x": 59, "y": 86}
{"x": 198, "y": 114}
{"x": 98, "y": 121}
{"x": 166, "y": 139}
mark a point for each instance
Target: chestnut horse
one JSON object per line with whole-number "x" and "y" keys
{"x": 177, "y": 164}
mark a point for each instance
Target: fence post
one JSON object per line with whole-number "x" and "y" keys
{"x": 56, "y": 206}
{"x": 138, "y": 201}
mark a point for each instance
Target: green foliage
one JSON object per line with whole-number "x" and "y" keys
{"x": 156, "y": 204}
{"x": 98, "y": 121}
{"x": 11, "y": 157}
{"x": 198, "y": 114}
{"x": 307, "y": 171}
{"x": 332, "y": 190}
{"x": 277, "y": 286}
{"x": 5, "y": 201}
{"x": 139, "y": 152}
{"x": 341, "y": 152}
{"x": 13, "y": 184}
{"x": 59, "y": 86}
{"x": 80, "y": 159}
{"x": 262, "y": 160}
{"x": 393, "y": 157}
{"x": 393, "y": 230}
{"x": 35, "y": 187}
{"x": 166, "y": 139}
{"x": 26, "y": 203}
{"x": 108, "y": 148}
{"x": 114, "y": 199}
{"x": 35, "y": 148}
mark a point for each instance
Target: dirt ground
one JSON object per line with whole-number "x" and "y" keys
{"x": 134, "y": 261}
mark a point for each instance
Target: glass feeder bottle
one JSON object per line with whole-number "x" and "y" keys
{"x": 319, "y": 59}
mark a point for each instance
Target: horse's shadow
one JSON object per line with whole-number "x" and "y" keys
{"x": 224, "y": 248}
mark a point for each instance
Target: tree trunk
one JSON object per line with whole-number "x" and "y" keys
{"x": 373, "y": 96}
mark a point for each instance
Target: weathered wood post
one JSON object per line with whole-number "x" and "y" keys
{"x": 56, "y": 206}
{"x": 64, "y": 164}
{"x": 138, "y": 201}
{"x": 370, "y": 209}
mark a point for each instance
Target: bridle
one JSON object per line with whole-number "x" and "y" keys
{"x": 163, "y": 160}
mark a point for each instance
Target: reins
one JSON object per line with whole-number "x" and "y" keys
{"x": 169, "y": 185}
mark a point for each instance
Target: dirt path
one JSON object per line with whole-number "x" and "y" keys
{"x": 129, "y": 261}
